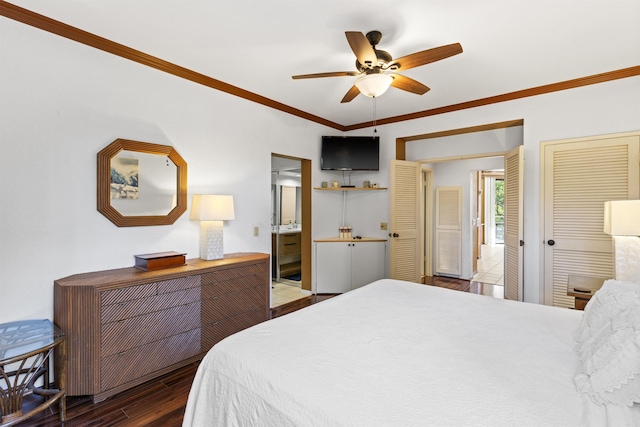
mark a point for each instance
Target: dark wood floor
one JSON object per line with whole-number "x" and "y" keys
{"x": 161, "y": 402}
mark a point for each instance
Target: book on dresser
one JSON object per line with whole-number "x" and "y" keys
{"x": 127, "y": 326}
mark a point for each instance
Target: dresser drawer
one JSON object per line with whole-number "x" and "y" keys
{"x": 234, "y": 273}
{"x": 123, "y": 310}
{"x": 214, "y": 332}
{"x": 133, "y": 332}
{"x": 211, "y": 290}
{"x": 178, "y": 284}
{"x": 127, "y": 366}
{"x": 228, "y": 305}
{"x": 129, "y": 293}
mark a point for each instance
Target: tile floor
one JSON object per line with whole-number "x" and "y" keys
{"x": 491, "y": 265}
{"x": 285, "y": 291}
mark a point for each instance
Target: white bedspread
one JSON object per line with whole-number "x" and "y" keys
{"x": 399, "y": 354}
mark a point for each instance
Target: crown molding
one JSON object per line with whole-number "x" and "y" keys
{"x": 525, "y": 93}
{"x": 45, "y": 23}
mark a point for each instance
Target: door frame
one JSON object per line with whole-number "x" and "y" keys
{"x": 428, "y": 222}
{"x": 401, "y": 154}
{"x": 305, "y": 214}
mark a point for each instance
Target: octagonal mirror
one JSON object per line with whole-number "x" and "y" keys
{"x": 140, "y": 183}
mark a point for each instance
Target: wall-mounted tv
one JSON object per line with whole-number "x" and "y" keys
{"x": 350, "y": 153}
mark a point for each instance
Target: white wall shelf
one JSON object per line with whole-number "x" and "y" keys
{"x": 349, "y": 189}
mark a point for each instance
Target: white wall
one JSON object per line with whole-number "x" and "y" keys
{"x": 362, "y": 210}
{"x": 61, "y": 102}
{"x": 493, "y": 141}
{"x": 591, "y": 110}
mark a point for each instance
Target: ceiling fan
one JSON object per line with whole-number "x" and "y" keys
{"x": 374, "y": 65}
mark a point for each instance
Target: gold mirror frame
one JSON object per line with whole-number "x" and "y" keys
{"x": 104, "y": 181}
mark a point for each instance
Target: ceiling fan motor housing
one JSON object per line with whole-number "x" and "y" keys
{"x": 383, "y": 56}
{"x": 383, "y": 59}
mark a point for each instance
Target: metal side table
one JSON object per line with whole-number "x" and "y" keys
{"x": 26, "y": 350}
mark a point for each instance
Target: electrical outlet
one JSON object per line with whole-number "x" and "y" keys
{"x": 256, "y": 231}
{"x": 383, "y": 226}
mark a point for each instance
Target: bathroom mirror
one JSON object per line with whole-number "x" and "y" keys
{"x": 286, "y": 199}
{"x": 288, "y": 205}
{"x": 141, "y": 183}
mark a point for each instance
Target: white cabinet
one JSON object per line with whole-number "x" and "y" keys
{"x": 368, "y": 262}
{"x": 345, "y": 265}
{"x": 333, "y": 267}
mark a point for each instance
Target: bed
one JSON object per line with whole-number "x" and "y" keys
{"x": 394, "y": 353}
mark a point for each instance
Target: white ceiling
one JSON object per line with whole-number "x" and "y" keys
{"x": 258, "y": 45}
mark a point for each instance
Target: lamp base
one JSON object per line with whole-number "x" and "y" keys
{"x": 626, "y": 252}
{"x": 211, "y": 240}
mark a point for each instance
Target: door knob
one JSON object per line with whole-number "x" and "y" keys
{"x": 396, "y": 235}
{"x": 551, "y": 242}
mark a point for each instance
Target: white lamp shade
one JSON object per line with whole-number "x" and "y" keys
{"x": 374, "y": 85}
{"x": 622, "y": 218}
{"x": 207, "y": 207}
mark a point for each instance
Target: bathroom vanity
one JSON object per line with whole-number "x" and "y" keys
{"x": 286, "y": 250}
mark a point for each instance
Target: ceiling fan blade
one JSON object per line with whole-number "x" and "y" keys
{"x": 331, "y": 74}
{"x": 352, "y": 93}
{"x": 427, "y": 56}
{"x": 405, "y": 83}
{"x": 362, "y": 48}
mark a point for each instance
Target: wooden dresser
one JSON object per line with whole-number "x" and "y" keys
{"x": 127, "y": 326}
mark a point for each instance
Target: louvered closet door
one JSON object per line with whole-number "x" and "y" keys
{"x": 404, "y": 240}
{"x": 579, "y": 176}
{"x": 513, "y": 224}
{"x": 449, "y": 231}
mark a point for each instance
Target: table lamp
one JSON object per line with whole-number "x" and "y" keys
{"x": 622, "y": 221}
{"x": 211, "y": 210}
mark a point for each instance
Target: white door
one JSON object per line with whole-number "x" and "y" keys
{"x": 579, "y": 176}
{"x": 404, "y": 242}
{"x": 449, "y": 230}
{"x": 333, "y": 267}
{"x": 513, "y": 224}
{"x": 368, "y": 261}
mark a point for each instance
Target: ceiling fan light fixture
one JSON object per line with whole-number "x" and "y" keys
{"x": 374, "y": 85}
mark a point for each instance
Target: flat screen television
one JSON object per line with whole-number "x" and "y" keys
{"x": 350, "y": 153}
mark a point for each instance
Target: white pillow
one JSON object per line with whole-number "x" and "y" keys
{"x": 608, "y": 345}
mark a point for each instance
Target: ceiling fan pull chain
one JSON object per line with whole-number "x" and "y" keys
{"x": 374, "y": 115}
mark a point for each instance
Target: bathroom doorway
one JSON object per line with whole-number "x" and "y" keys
{"x": 290, "y": 232}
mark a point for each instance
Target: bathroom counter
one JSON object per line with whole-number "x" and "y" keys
{"x": 284, "y": 230}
